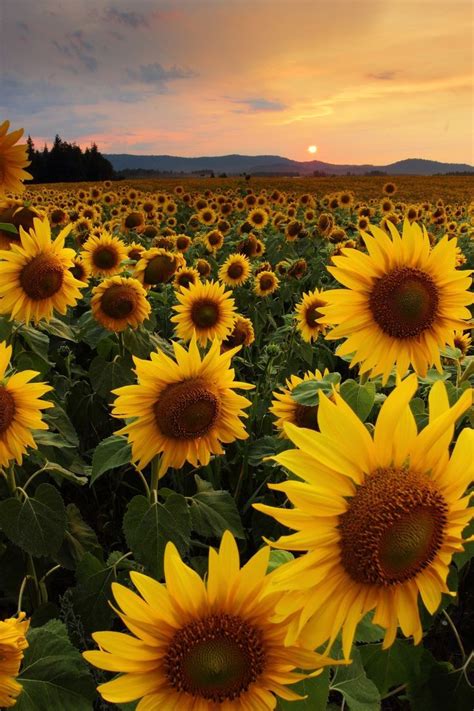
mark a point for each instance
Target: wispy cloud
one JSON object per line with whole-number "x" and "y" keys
{"x": 125, "y": 18}
{"x": 158, "y": 75}
{"x": 77, "y": 49}
{"x": 387, "y": 75}
{"x": 257, "y": 105}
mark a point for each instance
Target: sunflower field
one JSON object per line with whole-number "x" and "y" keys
{"x": 236, "y": 445}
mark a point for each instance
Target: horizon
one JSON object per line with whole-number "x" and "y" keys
{"x": 207, "y": 79}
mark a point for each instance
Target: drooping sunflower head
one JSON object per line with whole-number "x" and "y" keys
{"x": 12, "y": 645}
{"x": 80, "y": 270}
{"x": 206, "y": 310}
{"x": 15, "y": 212}
{"x": 286, "y": 409}
{"x": 35, "y": 276}
{"x": 242, "y": 334}
{"x": 20, "y": 410}
{"x": 104, "y": 254}
{"x": 380, "y": 520}
{"x": 203, "y": 267}
{"x": 13, "y": 160}
{"x": 235, "y": 270}
{"x": 134, "y": 222}
{"x": 266, "y": 283}
{"x": 119, "y": 302}
{"x": 182, "y": 409}
{"x": 213, "y": 240}
{"x": 157, "y": 266}
{"x": 183, "y": 242}
{"x": 403, "y": 301}
{"x": 193, "y": 647}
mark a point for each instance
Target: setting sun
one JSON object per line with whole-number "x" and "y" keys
{"x": 312, "y": 149}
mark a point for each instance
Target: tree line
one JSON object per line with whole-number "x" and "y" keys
{"x": 66, "y": 162}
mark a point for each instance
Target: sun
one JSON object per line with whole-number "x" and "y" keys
{"x": 312, "y": 149}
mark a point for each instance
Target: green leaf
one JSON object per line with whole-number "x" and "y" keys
{"x": 391, "y": 667}
{"x": 278, "y": 558}
{"x": 360, "y": 398}
{"x": 8, "y": 227}
{"x": 306, "y": 393}
{"x": 37, "y": 524}
{"x": 368, "y": 632}
{"x": 58, "y": 328}
{"x": 418, "y": 408}
{"x": 59, "y": 420}
{"x": 316, "y": 690}
{"x": 111, "y": 453}
{"x": 359, "y": 692}
{"x": 54, "y": 468}
{"x": 213, "y": 512}
{"x": 92, "y": 594}
{"x": 36, "y": 340}
{"x": 149, "y": 527}
{"x": 105, "y": 376}
{"x": 436, "y": 686}
{"x": 54, "y": 674}
{"x": 78, "y": 540}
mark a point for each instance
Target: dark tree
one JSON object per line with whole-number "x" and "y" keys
{"x": 66, "y": 162}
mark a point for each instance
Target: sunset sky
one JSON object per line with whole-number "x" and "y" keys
{"x": 364, "y": 80}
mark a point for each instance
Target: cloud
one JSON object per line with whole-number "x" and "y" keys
{"x": 257, "y": 105}
{"x": 125, "y": 18}
{"x": 77, "y": 48}
{"x": 387, "y": 75}
{"x": 157, "y": 74}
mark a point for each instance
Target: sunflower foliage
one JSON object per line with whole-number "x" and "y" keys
{"x": 192, "y": 370}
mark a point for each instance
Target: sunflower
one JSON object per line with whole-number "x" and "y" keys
{"x": 242, "y": 334}
{"x": 266, "y": 283}
{"x": 389, "y": 188}
{"x": 12, "y": 643}
{"x": 135, "y": 251}
{"x": 206, "y": 216}
{"x": 104, "y": 254}
{"x": 463, "y": 342}
{"x": 287, "y": 409}
{"x": 186, "y": 276}
{"x": 183, "y": 243}
{"x": 258, "y": 218}
{"x": 403, "y": 303}
{"x": 20, "y": 410}
{"x": 182, "y": 408}
{"x": 119, "y": 302}
{"x": 80, "y": 270}
{"x": 205, "y": 309}
{"x": 134, "y": 222}
{"x": 13, "y": 160}
{"x": 203, "y": 267}
{"x": 35, "y": 279}
{"x": 235, "y": 270}
{"x": 213, "y": 241}
{"x": 157, "y": 266}
{"x": 15, "y": 212}
{"x": 194, "y": 646}
{"x": 380, "y": 521}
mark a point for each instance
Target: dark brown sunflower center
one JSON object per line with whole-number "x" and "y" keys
{"x": 393, "y": 528}
{"x": 215, "y": 658}
{"x": 257, "y": 218}
{"x": 235, "y": 270}
{"x": 134, "y": 254}
{"x": 78, "y": 272}
{"x": 7, "y": 409}
{"x": 118, "y": 301}
{"x": 134, "y": 219}
{"x": 312, "y": 315}
{"x": 205, "y": 314}
{"x": 42, "y": 277}
{"x": 266, "y": 283}
{"x": 186, "y": 410}
{"x": 160, "y": 269}
{"x": 307, "y": 416}
{"x": 404, "y": 302}
{"x": 105, "y": 258}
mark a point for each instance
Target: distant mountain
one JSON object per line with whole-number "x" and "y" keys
{"x": 268, "y": 165}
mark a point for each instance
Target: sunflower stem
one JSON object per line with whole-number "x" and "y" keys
{"x": 155, "y": 478}
{"x": 20, "y": 594}
{"x": 469, "y": 370}
{"x": 456, "y": 634}
{"x": 11, "y": 480}
{"x": 363, "y": 377}
{"x": 121, "y": 344}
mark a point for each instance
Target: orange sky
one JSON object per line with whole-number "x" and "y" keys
{"x": 366, "y": 81}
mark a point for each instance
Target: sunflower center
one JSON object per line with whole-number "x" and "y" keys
{"x": 393, "y": 528}
{"x": 404, "y": 303}
{"x": 160, "y": 269}
{"x": 78, "y": 272}
{"x": 105, "y": 257}
{"x": 134, "y": 254}
{"x": 312, "y": 315}
{"x": 215, "y": 658}
{"x": 7, "y": 409}
{"x": 42, "y": 277}
{"x": 205, "y": 314}
{"x": 118, "y": 301}
{"x": 186, "y": 410}
{"x": 266, "y": 283}
{"x": 235, "y": 271}
{"x": 307, "y": 416}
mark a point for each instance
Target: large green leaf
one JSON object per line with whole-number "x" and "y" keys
{"x": 78, "y": 540}
{"x": 316, "y": 691}
{"x": 54, "y": 675}
{"x": 213, "y": 512}
{"x": 361, "y": 398}
{"x": 105, "y": 376}
{"x": 36, "y": 524}
{"x": 148, "y": 528}
{"x": 359, "y": 692}
{"x": 92, "y": 593}
{"x": 110, "y": 453}
{"x": 391, "y": 667}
